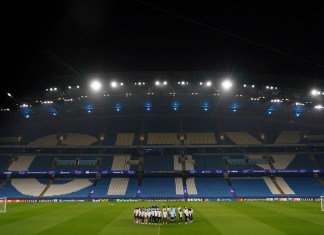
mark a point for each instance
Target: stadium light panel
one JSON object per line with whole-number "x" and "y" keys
{"x": 227, "y": 84}
{"x": 95, "y": 85}
{"x": 315, "y": 92}
{"x": 113, "y": 84}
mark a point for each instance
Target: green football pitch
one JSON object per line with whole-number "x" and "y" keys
{"x": 117, "y": 218}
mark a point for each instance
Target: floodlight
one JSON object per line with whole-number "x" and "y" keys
{"x": 227, "y": 84}
{"x": 95, "y": 85}
{"x": 315, "y": 92}
{"x": 113, "y": 84}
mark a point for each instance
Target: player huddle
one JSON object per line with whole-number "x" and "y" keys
{"x": 154, "y": 215}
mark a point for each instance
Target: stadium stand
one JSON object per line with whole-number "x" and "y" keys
{"x": 21, "y": 163}
{"x": 251, "y": 187}
{"x": 305, "y": 186}
{"x": 212, "y": 187}
{"x": 126, "y": 139}
{"x": 78, "y": 139}
{"x": 163, "y": 138}
{"x": 158, "y": 187}
{"x": 158, "y": 163}
{"x": 118, "y": 186}
{"x": 242, "y": 138}
{"x": 200, "y": 138}
{"x": 69, "y": 188}
{"x": 191, "y": 186}
{"x": 120, "y": 163}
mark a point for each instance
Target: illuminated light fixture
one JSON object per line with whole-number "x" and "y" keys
{"x": 315, "y": 92}
{"x": 208, "y": 83}
{"x": 95, "y": 85}
{"x": 89, "y": 111}
{"x": 113, "y": 84}
{"x": 227, "y": 84}
{"x": 69, "y": 87}
{"x": 148, "y": 109}
{"x": 200, "y": 83}
{"x": 8, "y": 94}
{"x": 244, "y": 85}
{"x": 234, "y": 110}
{"x": 319, "y": 107}
{"x": 157, "y": 83}
{"x": 253, "y": 86}
{"x": 269, "y": 112}
{"x": 78, "y": 87}
{"x": 298, "y": 114}
{"x": 122, "y": 84}
{"x": 165, "y": 83}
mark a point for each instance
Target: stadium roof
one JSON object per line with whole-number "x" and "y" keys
{"x": 64, "y": 43}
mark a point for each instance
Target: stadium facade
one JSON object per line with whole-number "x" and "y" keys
{"x": 175, "y": 139}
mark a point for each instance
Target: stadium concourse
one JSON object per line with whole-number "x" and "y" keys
{"x": 249, "y": 143}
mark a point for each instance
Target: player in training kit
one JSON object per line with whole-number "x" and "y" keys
{"x": 180, "y": 214}
{"x": 165, "y": 215}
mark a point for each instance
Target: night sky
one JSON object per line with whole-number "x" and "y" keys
{"x": 47, "y": 41}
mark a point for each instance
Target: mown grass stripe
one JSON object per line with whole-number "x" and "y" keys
{"x": 46, "y": 217}
{"x": 229, "y": 220}
{"x": 280, "y": 221}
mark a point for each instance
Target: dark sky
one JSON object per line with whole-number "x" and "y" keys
{"x": 46, "y": 40}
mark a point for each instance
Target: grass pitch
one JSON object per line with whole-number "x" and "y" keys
{"x": 117, "y": 218}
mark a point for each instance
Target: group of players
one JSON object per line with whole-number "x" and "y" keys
{"x": 154, "y": 216}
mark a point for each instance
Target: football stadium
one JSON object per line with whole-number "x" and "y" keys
{"x": 104, "y": 157}
{"x": 162, "y": 117}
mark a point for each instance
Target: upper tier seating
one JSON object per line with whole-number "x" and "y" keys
{"x": 250, "y": 187}
{"x": 78, "y": 139}
{"x": 288, "y": 137}
{"x": 124, "y": 139}
{"x": 163, "y": 138}
{"x": 45, "y": 140}
{"x": 242, "y": 138}
{"x": 200, "y": 138}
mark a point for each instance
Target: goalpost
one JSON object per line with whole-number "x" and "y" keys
{"x": 3, "y": 204}
{"x": 322, "y": 203}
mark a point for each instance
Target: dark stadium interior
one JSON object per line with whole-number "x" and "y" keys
{"x": 191, "y": 101}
